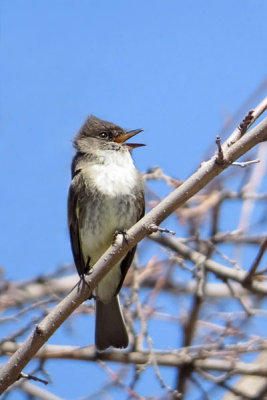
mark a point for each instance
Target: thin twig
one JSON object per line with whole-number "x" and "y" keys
{"x": 246, "y": 163}
{"x": 251, "y": 273}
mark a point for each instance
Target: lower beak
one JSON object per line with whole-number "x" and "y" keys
{"x": 127, "y": 135}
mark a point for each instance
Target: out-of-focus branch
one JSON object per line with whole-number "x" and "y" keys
{"x": 34, "y": 391}
{"x": 218, "y": 269}
{"x": 254, "y": 386}
{"x": 65, "y": 284}
{"x": 10, "y": 372}
{"x": 206, "y": 360}
{"x": 15, "y": 295}
{"x": 33, "y": 291}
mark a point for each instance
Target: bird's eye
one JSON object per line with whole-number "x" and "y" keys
{"x": 103, "y": 135}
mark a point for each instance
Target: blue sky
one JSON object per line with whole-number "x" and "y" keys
{"x": 177, "y": 69}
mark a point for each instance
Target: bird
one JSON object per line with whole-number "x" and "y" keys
{"x": 106, "y": 196}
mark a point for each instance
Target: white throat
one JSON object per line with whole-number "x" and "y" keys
{"x": 117, "y": 175}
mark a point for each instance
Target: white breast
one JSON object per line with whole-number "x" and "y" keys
{"x": 116, "y": 179}
{"x": 116, "y": 176}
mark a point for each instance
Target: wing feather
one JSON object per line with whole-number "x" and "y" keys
{"x": 73, "y": 220}
{"x": 127, "y": 261}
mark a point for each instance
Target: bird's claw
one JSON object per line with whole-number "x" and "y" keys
{"x": 123, "y": 233}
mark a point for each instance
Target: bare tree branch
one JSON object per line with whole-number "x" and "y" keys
{"x": 218, "y": 269}
{"x": 194, "y": 356}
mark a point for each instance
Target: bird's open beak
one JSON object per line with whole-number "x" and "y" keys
{"x": 127, "y": 135}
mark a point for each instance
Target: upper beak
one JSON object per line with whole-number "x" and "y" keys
{"x": 127, "y": 135}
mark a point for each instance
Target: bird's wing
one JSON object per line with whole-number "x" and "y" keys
{"x": 73, "y": 220}
{"x": 127, "y": 261}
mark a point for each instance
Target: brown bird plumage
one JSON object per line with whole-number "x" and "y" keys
{"x": 106, "y": 195}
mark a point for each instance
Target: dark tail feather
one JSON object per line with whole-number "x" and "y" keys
{"x": 110, "y": 329}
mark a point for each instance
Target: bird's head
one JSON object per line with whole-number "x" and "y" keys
{"x": 99, "y": 134}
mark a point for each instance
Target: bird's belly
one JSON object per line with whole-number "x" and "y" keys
{"x": 104, "y": 217}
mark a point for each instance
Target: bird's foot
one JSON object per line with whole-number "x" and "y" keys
{"x": 87, "y": 271}
{"x": 123, "y": 233}
{"x": 87, "y": 268}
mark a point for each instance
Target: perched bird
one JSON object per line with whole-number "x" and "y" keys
{"x": 106, "y": 196}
